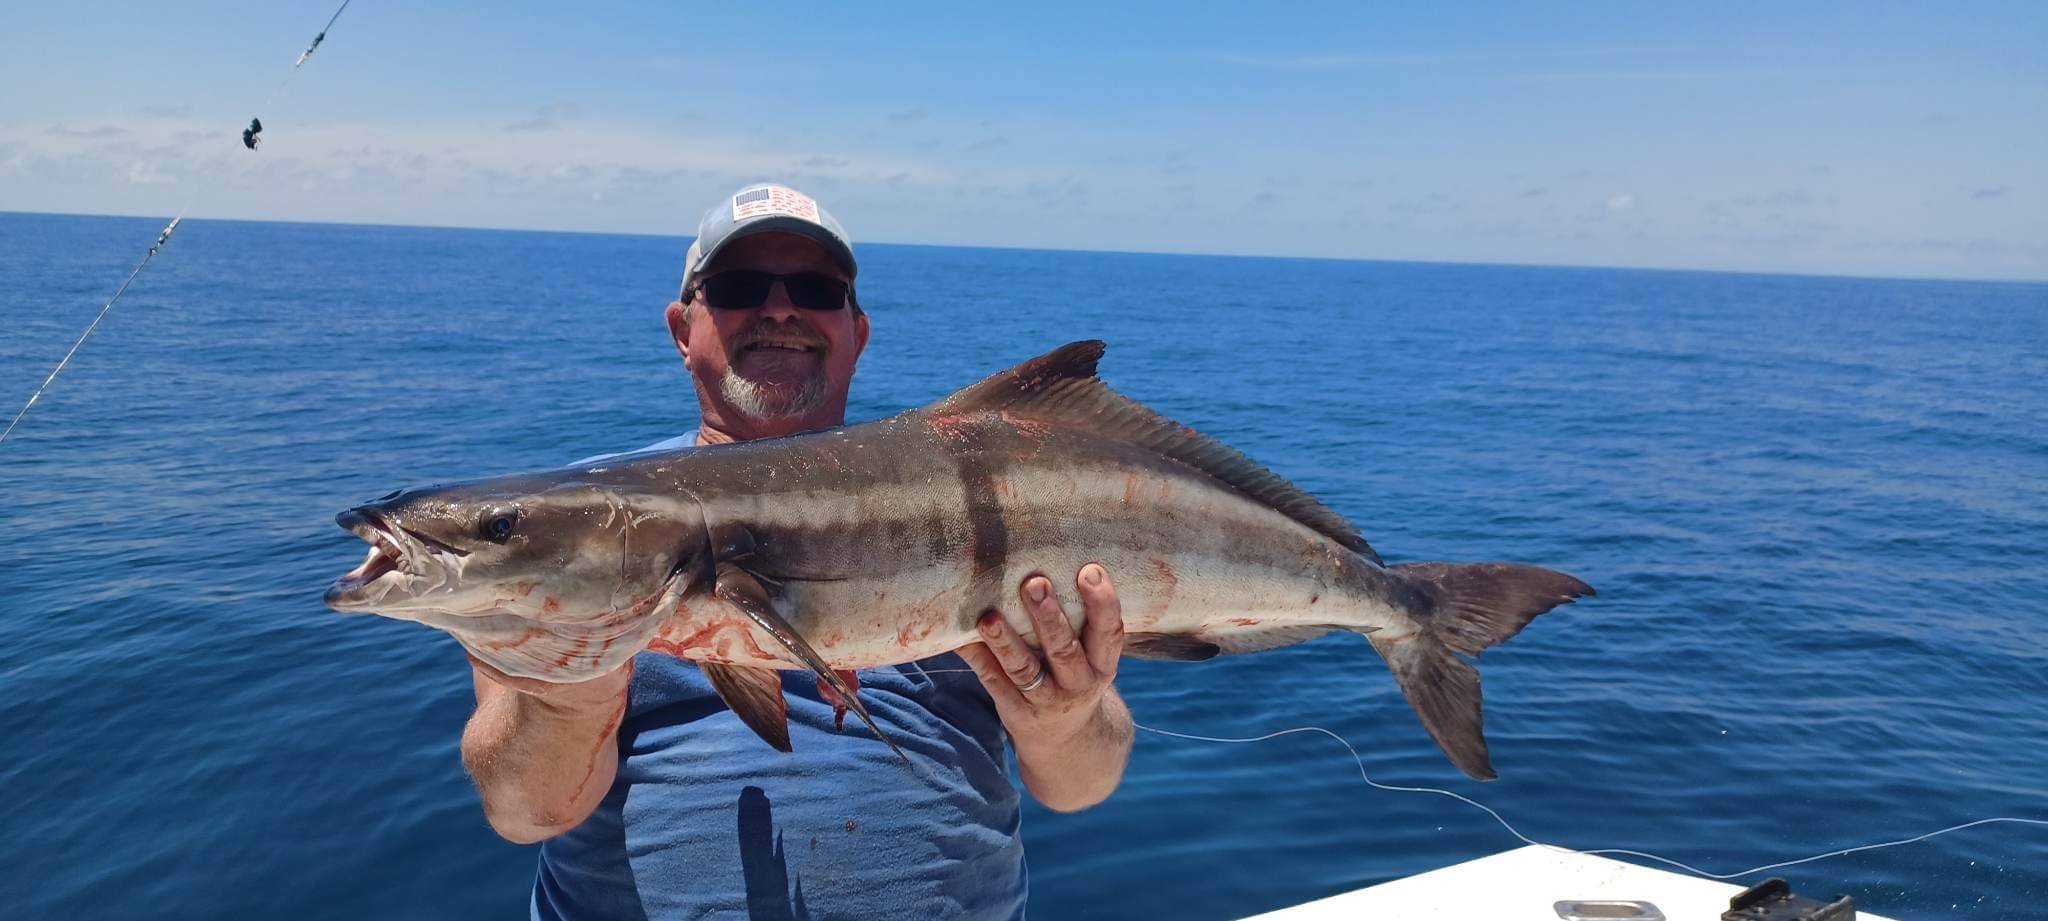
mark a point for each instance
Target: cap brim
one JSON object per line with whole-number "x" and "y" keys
{"x": 780, "y": 223}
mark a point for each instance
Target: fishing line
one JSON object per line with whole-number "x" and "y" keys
{"x": 1598, "y": 851}
{"x": 269, "y": 102}
{"x": 1359, "y": 760}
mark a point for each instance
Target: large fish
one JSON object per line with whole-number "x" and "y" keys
{"x": 883, "y": 543}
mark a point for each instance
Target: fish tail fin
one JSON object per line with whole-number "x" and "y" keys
{"x": 1468, "y": 608}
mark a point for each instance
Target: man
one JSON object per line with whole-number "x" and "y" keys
{"x": 654, "y": 800}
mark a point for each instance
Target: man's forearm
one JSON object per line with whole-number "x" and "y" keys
{"x": 1073, "y": 774}
{"x": 540, "y": 764}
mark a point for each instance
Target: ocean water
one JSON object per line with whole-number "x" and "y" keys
{"x": 1814, "y": 509}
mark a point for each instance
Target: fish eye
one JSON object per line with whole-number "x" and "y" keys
{"x": 496, "y": 525}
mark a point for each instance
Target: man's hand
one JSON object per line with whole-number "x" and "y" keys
{"x": 1071, "y": 730}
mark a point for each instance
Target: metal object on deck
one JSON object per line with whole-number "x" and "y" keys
{"x": 1607, "y": 910}
{"x": 1774, "y": 900}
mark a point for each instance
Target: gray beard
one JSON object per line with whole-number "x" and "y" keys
{"x": 765, "y": 404}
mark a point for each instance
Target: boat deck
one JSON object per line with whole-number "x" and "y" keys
{"x": 1526, "y": 884}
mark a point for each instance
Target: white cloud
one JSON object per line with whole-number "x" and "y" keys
{"x": 143, "y": 173}
{"x": 1048, "y": 185}
{"x": 577, "y": 151}
{"x": 549, "y": 118}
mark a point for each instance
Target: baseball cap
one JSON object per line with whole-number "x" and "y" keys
{"x": 761, "y": 207}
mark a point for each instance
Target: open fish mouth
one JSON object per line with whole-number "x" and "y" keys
{"x": 397, "y": 560}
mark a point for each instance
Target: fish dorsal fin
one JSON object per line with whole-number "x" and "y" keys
{"x": 1061, "y": 386}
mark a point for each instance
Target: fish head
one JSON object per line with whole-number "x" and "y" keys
{"x": 536, "y": 547}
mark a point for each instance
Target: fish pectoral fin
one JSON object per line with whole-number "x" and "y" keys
{"x": 1174, "y": 646}
{"x": 690, "y": 574}
{"x": 739, "y": 588}
{"x": 839, "y": 704}
{"x": 755, "y": 696}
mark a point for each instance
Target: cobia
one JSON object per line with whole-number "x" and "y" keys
{"x": 883, "y": 543}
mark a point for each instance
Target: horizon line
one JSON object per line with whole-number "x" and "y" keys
{"x": 2039, "y": 280}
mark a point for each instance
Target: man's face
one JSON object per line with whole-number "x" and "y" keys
{"x": 776, "y": 368}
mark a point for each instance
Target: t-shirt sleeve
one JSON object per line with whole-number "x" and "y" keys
{"x": 685, "y": 440}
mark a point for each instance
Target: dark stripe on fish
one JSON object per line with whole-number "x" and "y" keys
{"x": 990, "y": 537}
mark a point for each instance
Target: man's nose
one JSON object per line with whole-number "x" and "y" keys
{"x": 778, "y": 305}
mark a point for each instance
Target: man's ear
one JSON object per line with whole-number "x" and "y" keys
{"x": 860, "y": 333}
{"x": 679, "y": 329}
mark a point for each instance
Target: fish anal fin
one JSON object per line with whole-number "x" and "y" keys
{"x": 1176, "y": 647}
{"x": 1185, "y": 648}
{"x": 1061, "y": 386}
{"x": 755, "y": 696}
{"x": 742, "y": 590}
{"x": 1263, "y": 638}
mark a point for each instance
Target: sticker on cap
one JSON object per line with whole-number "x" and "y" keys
{"x": 773, "y": 200}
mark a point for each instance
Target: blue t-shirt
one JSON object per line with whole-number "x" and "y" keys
{"x": 704, "y": 820}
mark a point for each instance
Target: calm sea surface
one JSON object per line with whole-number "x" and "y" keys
{"x": 1814, "y": 508}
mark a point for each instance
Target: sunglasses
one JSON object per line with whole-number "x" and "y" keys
{"x": 746, "y": 289}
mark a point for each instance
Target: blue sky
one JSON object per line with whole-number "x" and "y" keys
{"x": 1834, "y": 138}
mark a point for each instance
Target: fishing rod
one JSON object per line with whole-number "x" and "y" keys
{"x": 251, "y": 138}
